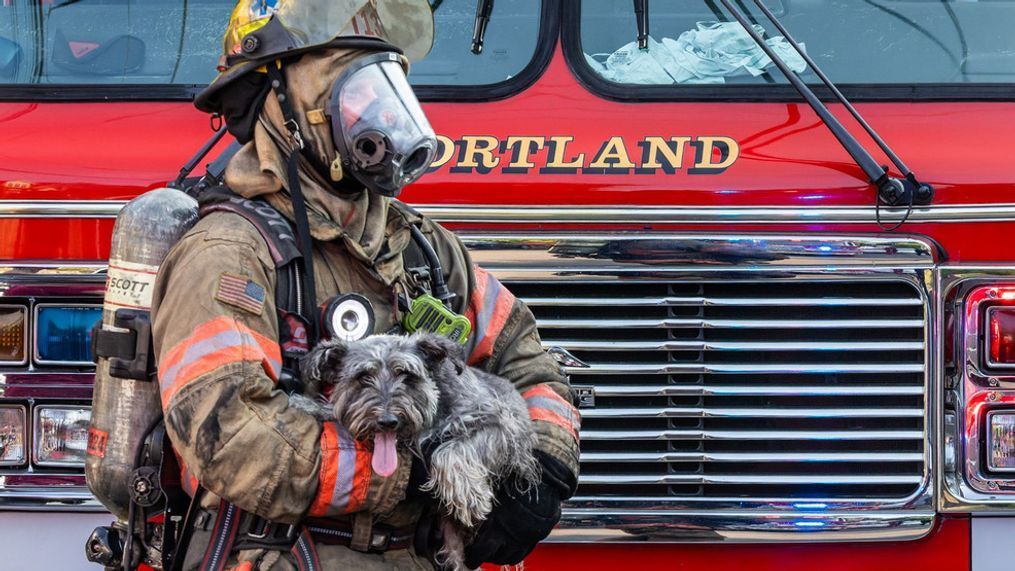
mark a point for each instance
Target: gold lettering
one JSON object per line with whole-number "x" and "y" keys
{"x": 446, "y": 148}
{"x": 727, "y": 149}
{"x": 478, "y": 153}
{"x": 520, "y": 158}
{"x": 673, "y": 153}
{"x": 558, "y": 150}
{"x": 612, "y": 155}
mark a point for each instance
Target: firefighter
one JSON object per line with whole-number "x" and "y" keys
{"x": 319, "y": 84}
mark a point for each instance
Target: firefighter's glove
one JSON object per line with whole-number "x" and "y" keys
{"x": 520, "y": 520}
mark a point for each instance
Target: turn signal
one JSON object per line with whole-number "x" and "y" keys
{"x": 1001, "y": 336}
{"x": 13, "y": 334}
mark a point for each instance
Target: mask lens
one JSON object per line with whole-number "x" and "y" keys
{"x": 380, "y": 127}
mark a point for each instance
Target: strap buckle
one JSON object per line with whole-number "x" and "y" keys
{"x": 294, "y": 131}
{"x": 380, "y": 539}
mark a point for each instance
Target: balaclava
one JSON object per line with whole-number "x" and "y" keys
{"x": 336, "y": 210}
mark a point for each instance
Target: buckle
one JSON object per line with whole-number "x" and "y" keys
{"x": 379, "y": 540}
{"x": 264, "y": 525}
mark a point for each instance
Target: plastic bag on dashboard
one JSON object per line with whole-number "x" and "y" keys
{"x": 710, "y": 53}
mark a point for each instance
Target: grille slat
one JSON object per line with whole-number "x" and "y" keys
{"x": 665, "y": 457}
{"x": 754, "y": 412}
{"x": 581, "y": 345}
{"x": 756, "y": 390}
{"x": 726, "y": 480}
{"x": 606, "y": 323}
{"x": 718, "y": 301}
{"x": 737, "y": 368}
{"x": 746, "y": 435}
{"x": 743, "y": 390}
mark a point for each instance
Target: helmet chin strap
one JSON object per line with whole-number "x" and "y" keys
{"x": 278, "y": 87}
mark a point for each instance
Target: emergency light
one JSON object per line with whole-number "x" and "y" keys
{"x": 1000, "y": 336}
{"x": 12, "y": 435}
{"x": 60, "y": 435}
{"x": 63, "y": 333}
{"x": 1001, "y": 441}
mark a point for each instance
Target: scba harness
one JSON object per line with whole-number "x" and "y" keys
{"x": 160, "y": 489}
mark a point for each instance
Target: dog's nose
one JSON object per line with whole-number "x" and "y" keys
{"x": 388, "y": 421}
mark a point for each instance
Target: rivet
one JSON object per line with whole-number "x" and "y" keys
{"x": 251, "y": 43}
{"x": 992, "y": 293}
{"x": 992, "y": 396}
{"x": 993, "y": 381}
{"x": 992, "y": 485}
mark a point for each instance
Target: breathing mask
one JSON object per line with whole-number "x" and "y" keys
{"x": 383, "y": 138}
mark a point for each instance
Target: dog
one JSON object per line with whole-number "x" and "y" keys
{"x": 416, "y": 391}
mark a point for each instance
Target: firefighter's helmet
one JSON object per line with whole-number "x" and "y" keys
{"x": 261, "y": 31}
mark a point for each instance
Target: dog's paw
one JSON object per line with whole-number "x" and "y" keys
{"x": 319, "y": 409}
{"x": 461, "y": 483}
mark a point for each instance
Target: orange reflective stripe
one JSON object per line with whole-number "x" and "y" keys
{"x": 361, "y": 480}
{"x": 213, "y": 344}
{"x": 488, "y": 312}
{"x": 553, "y": 418}
{"x": 345, "y": 473}
{"x": 329, "y": 471}
{"x": 545, "y": 404}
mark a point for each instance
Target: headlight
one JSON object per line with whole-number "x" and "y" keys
{"x": 13, "y": 334}
{"x": 63, "y": 333}
{"x": 60, "y": 435}
{"x": 12, "y": 435}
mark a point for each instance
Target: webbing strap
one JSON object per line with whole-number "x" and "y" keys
{"x": 278, "y": 85}
{"x": 223, "y": 535}
{"x": 305, "y": 552}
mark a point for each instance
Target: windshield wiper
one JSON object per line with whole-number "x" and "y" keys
{"x": 484, "y": 9}
{"x": 892, "y": 191}
{"x": 641, "y": 14}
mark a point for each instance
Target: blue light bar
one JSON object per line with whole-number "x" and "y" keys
{"x": 63, "y": 333}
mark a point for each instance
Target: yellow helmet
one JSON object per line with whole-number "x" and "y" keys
{"x": 261, "y": 31}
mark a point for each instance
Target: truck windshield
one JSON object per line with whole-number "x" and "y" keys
{"x": 854, "y": 41}
{"x": 178, "y": 42}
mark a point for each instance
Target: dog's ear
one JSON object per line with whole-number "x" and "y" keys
{"x": 326, "y": 356}
{"x": 436, "y": 348}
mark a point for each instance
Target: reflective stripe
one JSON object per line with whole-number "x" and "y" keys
{"x": 488, "y": 312}
{"x": 213, "y": 344}
{"x": 547, "y": 406}
{"x": 345, "y": 473}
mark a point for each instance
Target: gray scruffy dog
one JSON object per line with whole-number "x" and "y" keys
{"x": 416, "y": 391}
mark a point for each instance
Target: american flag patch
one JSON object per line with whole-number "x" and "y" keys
{"x": 240, "y": 292}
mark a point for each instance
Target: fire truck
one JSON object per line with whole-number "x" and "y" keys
{"x": 786, "y": 355}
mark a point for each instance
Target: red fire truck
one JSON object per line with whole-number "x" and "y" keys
{"x": 771, "y": 376}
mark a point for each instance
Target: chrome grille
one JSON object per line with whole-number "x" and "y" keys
{"x": 743, "y": 389}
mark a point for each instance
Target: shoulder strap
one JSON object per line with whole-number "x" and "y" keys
{"x": 272, "y": 226}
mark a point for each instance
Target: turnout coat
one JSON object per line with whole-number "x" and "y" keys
{"x": 216, "y": 334}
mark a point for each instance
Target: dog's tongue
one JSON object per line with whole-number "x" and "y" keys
{"x": 385, "y": 460}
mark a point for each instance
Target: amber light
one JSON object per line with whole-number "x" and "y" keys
{"x": 13, "y": 329}
{"x": 1001, "y": 337}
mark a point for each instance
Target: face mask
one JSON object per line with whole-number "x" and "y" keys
{"x": 379, "y": 129}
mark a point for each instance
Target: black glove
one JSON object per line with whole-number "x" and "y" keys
{"x": 521, "y": 520}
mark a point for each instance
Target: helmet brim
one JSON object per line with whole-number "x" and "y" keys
{"x": 207, "y": 99}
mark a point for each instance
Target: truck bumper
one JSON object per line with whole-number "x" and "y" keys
{"x": 947, "y": 547}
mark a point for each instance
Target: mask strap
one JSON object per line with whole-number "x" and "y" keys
{"x": 278, "y": 86}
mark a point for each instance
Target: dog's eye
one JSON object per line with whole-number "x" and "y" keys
{"x": 410, "y": 379}
{"x": 363, "y": 378}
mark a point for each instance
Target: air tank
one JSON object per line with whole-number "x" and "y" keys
{"x": 125, "y": 409}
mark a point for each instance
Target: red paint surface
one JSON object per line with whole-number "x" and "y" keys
{"x": 947, "y": 548}
{"x": 100, "y": 151}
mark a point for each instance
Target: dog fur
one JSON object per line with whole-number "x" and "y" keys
{"x": 475, "y": 423}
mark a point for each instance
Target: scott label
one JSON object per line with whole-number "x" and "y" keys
{"x": 129, "y": 285}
